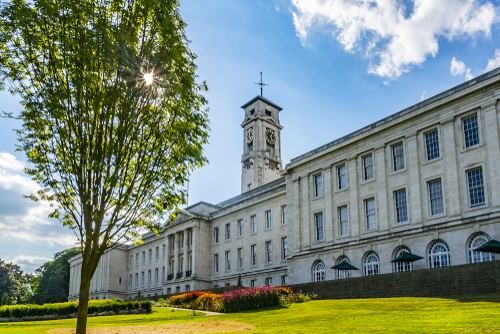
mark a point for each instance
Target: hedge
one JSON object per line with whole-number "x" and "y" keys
{"x": 64, "y": 309}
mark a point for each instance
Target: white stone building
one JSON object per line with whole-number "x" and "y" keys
{"x": 425, "y": 180}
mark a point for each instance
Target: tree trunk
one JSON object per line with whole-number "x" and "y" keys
{"x": 83, "y": 303}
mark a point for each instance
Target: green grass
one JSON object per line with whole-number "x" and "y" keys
{"x": 392, "y": 315}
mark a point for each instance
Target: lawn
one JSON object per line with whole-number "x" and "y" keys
{"x": 391, "y": 315}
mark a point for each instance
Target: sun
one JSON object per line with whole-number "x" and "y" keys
{"x": 148, "y": 78}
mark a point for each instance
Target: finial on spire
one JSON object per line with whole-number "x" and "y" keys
{"x": 261, "y": 83}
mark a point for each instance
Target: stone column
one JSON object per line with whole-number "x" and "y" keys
{"x": 306, "y": 223}
{"x": 176, "y": 241}
{"x": 185, "y": 254}
{"x": 294, "y": 218}
{"x": 450, "y": 158}
{"x": 353, "y": 207}
{"x": 380, "y": 174}
{"x": 327, "y": 193}
{"x": 194, "y": 249}
{"x": 413, "y": 166}
{"x": 492, "y": 142}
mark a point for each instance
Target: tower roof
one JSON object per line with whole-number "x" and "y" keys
{"x": 263, "y": 99}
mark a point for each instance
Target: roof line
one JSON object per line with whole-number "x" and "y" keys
{"x": 258, "y": 97}
{"x": 398, "y": 114}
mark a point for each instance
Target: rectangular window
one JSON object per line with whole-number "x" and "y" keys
{"x": 228, "y": 261}
{"x": 240, "y": 228}
{"x": 341, "y": 177}
{"x": 343, "y": 221}
{"x": 190, "y": 262}
{"x": 228, "y": 231}
{"x": 130, "y": 281}
{"x": 181, "y": 264}
{"x": 398, "y": 157}
{"x": 436, "y": 197}
{"x": 269, "y": 252}
{"x": 172, "y": 243}
{"x": 471, "y": 131}
{"x": 476, "y": 187}
{"x": 371, "y": 219}
{"x": 157, "y": 253}
{"x": 136, "y": 280}
{"x": 216, "y": 263}
{"x": 131, "y": 260}
{"x": 182, "y": 241}
{"x": 318, "y": 223}
{"x": 137, "y": 259}
{"x": 171, "y": 264}
{"x": 401, "y": 206}
{"x": 269, "y": 281}
{"x": 283, "y": 215}
{"x": 142, "y": 278}
{"x": 252, "y": 283}
{"x": 240, "y": 258}
{"x": 187, "y": 288}
{"x": 284, "y": 248}
{"x": 253, "y": 252}
{"x": 143, "y": 257}
{"x": 150, "y": 257}
{"x": 227, "y": 284}
{"x": 177, "y": 289}
{"x": 284, "y": 280}
{"x": 268, "y": 220}
{"x": 432, "y": 145}
{"x": 318, "y": 185}
{"x": 149, "y": 277}
{"x": 368, "y": 167}
{"x": 169, "y": 291}
{"x": 190, "y": 233}
{"x": 163, "y": 274}
{"x": 216, "y": 235}
{"x": 157, "y": 276}
{"x": 253, "y": 221}
{"x": 164, "y": 251}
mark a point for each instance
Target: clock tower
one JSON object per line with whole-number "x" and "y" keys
{"x": 261, "y": 159}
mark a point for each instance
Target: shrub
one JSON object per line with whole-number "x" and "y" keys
{"x": 5, "y": 299}
{"x": 207, "y": 301}
{"x": 161, "y": 301}
{"x": 186, "y": 298}
{"x": 249, "y": 299}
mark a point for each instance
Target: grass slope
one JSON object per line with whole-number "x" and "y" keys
{"x": 391, "y": 315}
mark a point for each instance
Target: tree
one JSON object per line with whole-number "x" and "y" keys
{"x": 239, "y": 284}
{"x": 139, "y": 295}
{"x": 5, "y": 299}
{"x": 51, "y": 284}
{"x": 13, "y": 281}
{"x": 113, "y": 119}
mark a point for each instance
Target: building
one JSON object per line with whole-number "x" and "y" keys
{"x": 425, "y": 180}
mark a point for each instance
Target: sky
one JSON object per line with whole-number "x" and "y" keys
{"x": 334, "y": 66}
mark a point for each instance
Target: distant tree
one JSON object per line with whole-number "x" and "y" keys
{"x": 239, "y": 284}
{"x": 51, "y": 284}
{"x": 113, "y": 120}
{"x": 11, "y": 280}
{"x": 5, "y": 299}
{"x": 139, "y": 295}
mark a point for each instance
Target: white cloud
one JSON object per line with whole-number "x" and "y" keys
{"x": 493, "y": 63}
{"x": 396, "y": 37}
{"x": 277, "y": 8}
{"x": 8, "y": 161}
{"x": 458, "y": 67}
{"x": 423, "y": 96}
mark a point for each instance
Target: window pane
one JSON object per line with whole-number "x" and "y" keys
{"x": 432, "y": 143}
{"x": 371, "y": 221}
{"x": 344, "y": 224}
{"x": 436, "y": 197}
{"x": 471, "y": 131}
{"x": 342, "y": 177}
{"x": 476, "y": 187}
{"x": 401, "y": 208}
{"x": 368, "y": 167}
{"x": 398, "y": 157}
{"x": 319, "y": 226}
{"x": 318, "y": 186}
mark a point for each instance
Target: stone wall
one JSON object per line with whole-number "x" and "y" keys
{"x": 469, "y": 279}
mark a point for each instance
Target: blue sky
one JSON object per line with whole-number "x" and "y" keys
{"x": 334, "y": 66}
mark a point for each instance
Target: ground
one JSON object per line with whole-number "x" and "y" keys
{"x": 391, "y": 315}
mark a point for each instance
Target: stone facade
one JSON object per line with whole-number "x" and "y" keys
{"x": 425, "y": 180}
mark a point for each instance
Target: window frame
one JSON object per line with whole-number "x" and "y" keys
{"x": 240, "y": 228}
{"x": 484, "y": 186}
{"x": 472, "y": 255}
{"x": 318, "y": 186}
{"x": 253, "y": 224}
{"x": 216, "y": 235}
{"x": 227, "y": 260}
{"x": 284, "y": 213}
{"x": 319, "y": 275}
{"x": 253, "y": 255}
{"x": 430, "y": 254}
{"x": 364, "y": 167}
{"x": 426, "y": 145}
{"x": 269, "y": 251}
{"x": 340, "y": 221}
{"x": 393, "y": 156}
{"x": 269, "y": 219}
{"x": 227, "y": 231}
{"x": 284, "y": 248}
{"x": 240, "y": 258}
{"x": 365, "y": 205}
{"x": 463, "y": 119}
{"x": 216, "y": 263}
{"x": 317, "y": 227}
{"x": 338, "y": 176}
{"x": 371, "y": 268}
{"x": 394, "y": 198}
{"x": 430, "y": 199}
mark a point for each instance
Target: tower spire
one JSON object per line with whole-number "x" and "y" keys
{"x": 261, "y": 83}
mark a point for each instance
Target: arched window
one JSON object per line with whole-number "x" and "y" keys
{"x": 343, "y": 273}
{"x": 402, "y": 266}
{"x": 319, "y": 272}
{"x": 475, "y": 242}
{"x": 439, "y": 254}
{"x": 371, "y": 264}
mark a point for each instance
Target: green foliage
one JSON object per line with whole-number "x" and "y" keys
{"x": 51, "y": 285}
{"x": 239, "y": 284}
{"x": 14, "y": 282}
{"x": 5, "y": 299}
{"x": 64, "y": 309}
{"x": 139, "y": 294}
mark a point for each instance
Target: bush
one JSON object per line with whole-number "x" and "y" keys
{"x": 249, "y": 299}
{"x": 5, "y": 299}
{"x": 186, "y": 298}
{"x": 207, "y": 301}
{"x": 65, "y": 309}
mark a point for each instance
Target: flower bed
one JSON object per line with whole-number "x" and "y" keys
{"x": 69, "y": 310}
{"x": 250, "y": 299}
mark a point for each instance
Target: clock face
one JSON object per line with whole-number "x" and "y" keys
{"x": 270, "y": 136}
{"x": 249, "y": 136}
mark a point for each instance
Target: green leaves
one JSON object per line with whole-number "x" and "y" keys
{"x": 106, "y": 147}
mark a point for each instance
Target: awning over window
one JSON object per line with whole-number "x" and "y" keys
{"x": 407, "y": 257}
{"x": 344, "y": 266}
{"x": 492, "y": 246}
